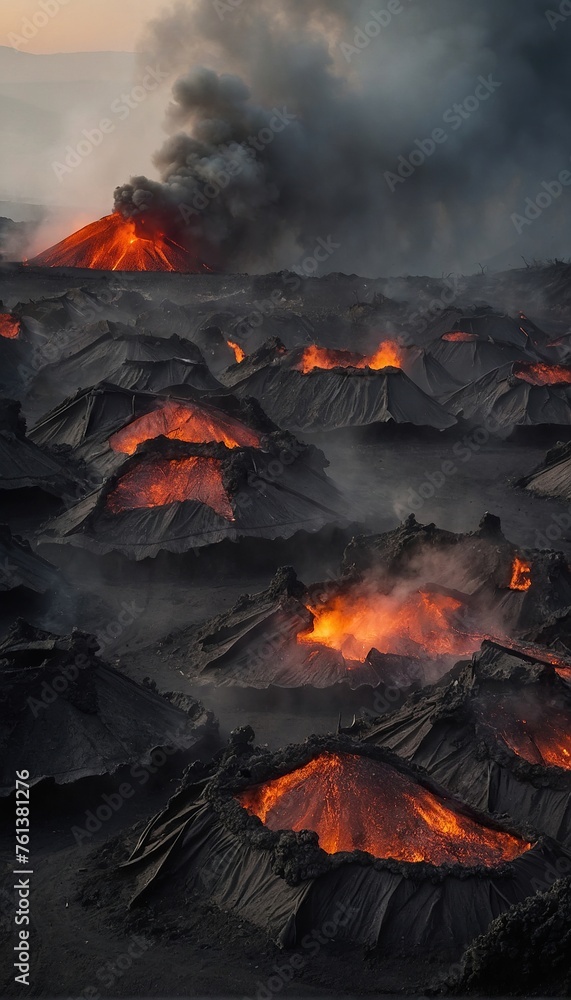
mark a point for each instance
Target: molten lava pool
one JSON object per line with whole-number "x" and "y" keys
{"x": 115, "y": 244}
{"x": 388, "y": 355}
{"x": 157, "y": 482}
{"x": 239, "y": 354}
{"x": 537, "y": 732}
{"x": 543, "y": 374}
{"x": 355, "y": 803}
{"x": 409, "y": 624}
{"x": 9, "y": 326}
{"x": 191, "y": 422}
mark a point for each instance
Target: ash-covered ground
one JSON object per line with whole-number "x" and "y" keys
{"x": 384, "y": 472}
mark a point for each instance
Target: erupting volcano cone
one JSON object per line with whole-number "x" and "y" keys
{"x": 116, "y": 244}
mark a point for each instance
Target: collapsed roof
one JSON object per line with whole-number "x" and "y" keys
{"x": 178, "y": 497}
{"x": 71, "y": 716}
{"x": 516, "y": 395}
{"x": 329, "y": 399}
{"x": 106, "y": 422}
{"x": 333, "y": 833}
{"x": 553, "y": 477}
{"x": 496, "y": 732}
{"x": 407, "y": 604}
{"x": 484, "y": 324}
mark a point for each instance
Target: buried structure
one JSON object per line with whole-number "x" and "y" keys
{"x": 25, "y": 469}
{"x": 104, "y": 424}
{"x": 342, "y": 837}
{"x": 524, "y": 394}
{"x": 553, "y": 478}
{"x": 406, "y": 606}
{"x": 316, "y": 389}
{"x": 73, "y": 717}
{"x": 21, "y": 570}
{"x": 496, "y": 732}
{"x": 177, "y": 497}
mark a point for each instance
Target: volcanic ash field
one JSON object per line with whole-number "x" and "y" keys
{"x": 285, "y": 636}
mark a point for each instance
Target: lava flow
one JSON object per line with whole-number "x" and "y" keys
{"x": 537, "y": 732}
{"x": 157, "y": 482}
{"x": 355, "y": 803}
{"x": 521, "y": 575}
{"x": 388, "y": 355}
{"x": 116, "y": 244}
{"x": 9, "y": 326}
{"x": 459, "y": 337}
{"x": 239, "y": 354}
{"x": 197, "y": 424}
{"x": 543, "y": 374}
{"x": 413, "y": 624}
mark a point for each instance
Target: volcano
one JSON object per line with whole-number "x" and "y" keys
{"x": 179, "y": 497}
{"x": 105, "y": 423}
{"x": 99, "y": 723}
{"x": 118, "y": 244}
{"x": 405, "y": 606}
{"x": 516, "y": 395}
{"x": 345, "y": 391}
{"x": 553, "y": 477}
{"x": 335, "y": 834}
{"x": 496, "y": 732}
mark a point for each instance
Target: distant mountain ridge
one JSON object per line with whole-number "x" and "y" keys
{"x": 19, "y": 66}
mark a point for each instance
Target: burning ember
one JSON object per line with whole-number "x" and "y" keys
{"x": 415, "y": 624}
{"x": 354, "y": 803}
{"x": 9, "y": 326}
{"x": 459, "y": 337}
{"x": 543, "y": 374}
{"x": 539, "y": 733}
{"x": 521, "y": 575}
{"x": 388, "y": 355}
{"x": 239, "y": 354}
{"x": 115, "y": 244}
{"x": 158, "y": 482}
{"x": 184, "y": 422}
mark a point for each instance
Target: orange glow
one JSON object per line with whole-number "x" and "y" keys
{"x": 388, "y": 355}
{"x": 158, "y": 482}
{"x": 543, "y": 737}
{"x": 412, "y": 624}
{"x": 521, "y": 575}
{"x": 239, "y": 354}
{"x": 544, "y": 374}
{"x": 9, "y": 326}
{"x": 354, "y": 803}
{"x": 184, "y": 422}
{"x": 459, "y": 337}
{"x": 113, "y": 244}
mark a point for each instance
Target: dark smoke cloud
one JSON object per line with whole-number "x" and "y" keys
{"x": 261, "y": 189}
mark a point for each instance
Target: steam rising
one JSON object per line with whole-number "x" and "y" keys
{"x": 359, "y": 104}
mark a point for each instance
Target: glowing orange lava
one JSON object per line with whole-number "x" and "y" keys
{"x": 409, "y": 624}
{"x": 113, "y": 244}
{"x": 239, "y": 354}
{"x": 543, "y": 374}
{"x": 9, "y": 326}
{"x": 521, "y": 575}
{"x": 459, "y": 337}
{"x": 388, "y": 355}
{"x": 540, "y": 733}
{"x": 157, "y": 482}
{"x": 354, "y": 803}
{"x": 198, "y": 424}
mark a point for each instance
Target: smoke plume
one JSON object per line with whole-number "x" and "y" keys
{"x": 315, "y": 120}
